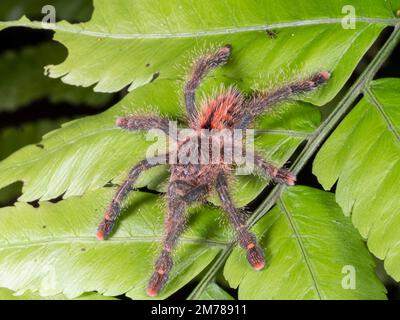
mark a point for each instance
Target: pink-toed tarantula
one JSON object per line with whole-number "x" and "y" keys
{"x": 193, "y": 182}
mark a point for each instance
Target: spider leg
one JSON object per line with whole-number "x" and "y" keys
{"x": 246, "y": 239}
{"x": 114, "y": 210}
{"x": 138, "y": 122}
{"x": 195, "y": 194}
{"x": 265, "y": 100}
{"x": 279, "y": 175}
{"x": 199, "y": 71}
{"x": 173, "y": 228}
{"x": 190, "y": 193}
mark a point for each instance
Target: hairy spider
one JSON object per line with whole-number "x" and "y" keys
{"x": 192, "y": 182}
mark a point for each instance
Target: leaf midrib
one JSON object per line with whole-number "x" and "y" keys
{"x": 76, "y": 29}
{"x": 386, "y": 118}
{"x": 302, "y": 247}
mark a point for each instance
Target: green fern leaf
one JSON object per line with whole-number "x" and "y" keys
{"x": 363, "y": 156}
{"x": 312, "y": 251}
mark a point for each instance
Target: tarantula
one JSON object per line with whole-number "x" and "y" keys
{"x": 192, "y": 182}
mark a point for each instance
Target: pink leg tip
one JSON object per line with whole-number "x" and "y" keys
{"x": 100, "y": 235}
{"x": 325, "y": 74}
{"x": 291, "y": 180}
{"x": 151, "y": 292}
{"x": 227, "y": 48}
{"x": 120, "y": 122}
{"x": 259, "y": 265}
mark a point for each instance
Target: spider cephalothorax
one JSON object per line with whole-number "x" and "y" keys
{"x": 192, "y": 182}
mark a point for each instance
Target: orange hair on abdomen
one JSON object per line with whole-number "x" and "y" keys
{"x": 222, "y": 112}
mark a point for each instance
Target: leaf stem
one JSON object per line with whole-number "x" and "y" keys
{"x": 310, "y": 148}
